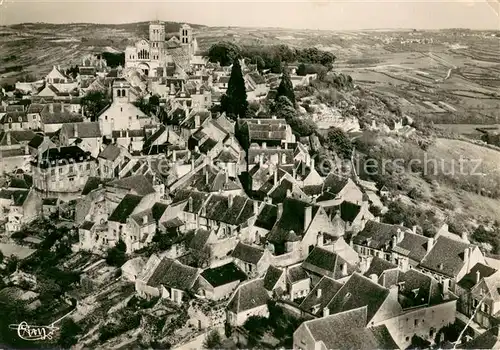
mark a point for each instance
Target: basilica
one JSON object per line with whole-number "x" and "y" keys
{"x": 158, "y": 57}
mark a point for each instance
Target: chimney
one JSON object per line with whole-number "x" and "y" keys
{"x": 344, "y": 269}
{"x": 430, "y": 244}
{"x": 227, "y": 176}
{"x": 9, "y": 141}
{"x": 261, "y": 159}
{"x": 467, "y": 253}
{"x": 326, "y": 311}
{"x": 51, "y": 108}
{"x": 145, "y": 219}
{"x": 197, "y": 121}
{"x": 255, "y": 208}
{"x": 311, "y": 163}
{"x": 76, "y": 131}
{"x": 400, "y": 235}
{"x": 374, "y": 278}
{"x": 464, "y": 236}
{"x": 280, "y": 211}
{"x": 446, "y": 288}
{"x": 230, "y": 200}
{"x": 478, "y": 276}
{"x": 174, "y": 155}
{"x": 192, "y": 164}
{"x": 394, "y": 241}
{"x": 275, "y": 177}
{"x": 307, "y": 217}
{"x": 190, "y": 204}
{"x": 206, "y": 176}
{"x": 414, "y": 229}
{"x": 294, "y": 173}
{"x": 285, "y": 145}
{"x": 318, "y": 293}
{"x": 172, "y": 89}
{"x": 264, "y": 145}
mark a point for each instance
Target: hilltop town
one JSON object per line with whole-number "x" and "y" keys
{"x": 179, "y": 195}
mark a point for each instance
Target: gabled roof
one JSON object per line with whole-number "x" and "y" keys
{"x": 446, "y": 256}
{"x": 350, "y": 332}
{"x": 378, "y": 265}
{"x": 219, "y": 208}
{"x": 488, "y": 340}
{"x": 272, "y": 276}
{"x": 357, "y": 292}
{"x": 249, "y": 295}
{"x": 413, "y": 246}
{"x": 17, "y": 196}
{"x": 64, "y": 153}
{"x": 478, "y": 270}
{"x": 334, "y": 183}
{"x": 296, "y": 274}
{"x": 326, "y": 263}
{"x": 111, "y": 152}
{"x": 321, "y": 295}
{"x": 267, "y": 217}
{"x": 378, "y": 235}
{"x": 82, "y": 130}
{"x": 36, "y": 141}
{"x": 125, "y": 208}
{"x": 138, "y": 183}
{"x": 91, "y": 184}
{"x": 194, "y": 204}
{"x": 224, "y": 274}
{"x": 247, "y": 253}
{"x": 173, "y": 274}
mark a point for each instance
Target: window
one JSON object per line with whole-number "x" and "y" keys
{"x": 60, "y": 170}
{"x": 71, "y": 168}
{"x": 88, "y": 166}
{"x": 52, "y": 172}
{"x": 415, "y": 322}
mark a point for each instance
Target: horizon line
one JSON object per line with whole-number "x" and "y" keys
{"x": 250, "y": 27}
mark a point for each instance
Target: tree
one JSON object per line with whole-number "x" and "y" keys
{"x": 1, "y": 257}
{"x": 339, "y": 141}
{"x": 300, "y": 126}
{"x": 223, "y": 53}
{"x": 418, "y": 343}
{"x": 116, "y": 255}
{"x": 235, "y": 102}
{"x": 256, "y": 326}
{"x": 93, "y": 103}
{"x": 154, "y": 100}
{"x": 213, "y": 340}
{"x": 68, "y": 333}
{"x": 286, "y": 87}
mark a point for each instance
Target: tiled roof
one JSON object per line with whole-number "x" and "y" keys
{"x": 199, "y": 239}
{"x": 197, "y": 201}
{"x": 414, "y": 246}
{"x": 125, "y": 208}
{"x": 378, "y": 265}
{"x": 446, "y": 256}
{"x": 326, "y": 263}
{"x": 64, "y": 153}
{"x": 111, "y": 152}
{"x": 91, "y": 184}
{"x": 247, "y": 253}
{"x": 87, "y": 225}
{"x": 173, "y": 274}
{"x": 22, "y": 135}
{"x": 137, "y": 183}
{"x": 36, "y": 141}
{"x": 267, "y": 217}
{"x": 82, "y": 130}
{"x": 350, "y": 332}
{"x": 224, "y": 274}
{"x": 334, "y": 183}
{"x": 248, "y": 296}
{"x": 487, "y": 340}
{"x": 357, "y": 292}
{"x": 218, "y": 208}
{"x": 269, "y": 153}
{"x": 59, "y": 115}
{"x": 470, "y": 279}
{"x": 378, "y": 235}
{"x": 321, "y": 294}
{"x": 49, "y": 201}
{"x": 18, "y": 196}
{"x": 296, "y": 274}
{"x": 273, "y": 274}
{"x": 14, "y": 117}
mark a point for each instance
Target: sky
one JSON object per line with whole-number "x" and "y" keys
{"x": 304, "y": 14}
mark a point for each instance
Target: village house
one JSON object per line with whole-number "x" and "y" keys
{"x": 319, "y": 296}
{"x": 166, "y": 278}
{"x": 87, "y": 136}
{"x": 275, "y": 281}
{"x": 321, "y": 262}
{"x": 219, "y": 282}
{"x": 252, "y": 260}
{"x": 337, "y": 189}
{"x": 15, "y": 121}
{"x": 112, "y": 161}
{"x": 40, "y": 144}
{"x": 50, "y": 206}
{"x": 298, "y": 283}
{"x": 271, "y": 132}
{"x": 63, "y": 170}
{"x": 249, "y": 299}
{"x": 54, "y": 115}
{"x": 18, "y": 207}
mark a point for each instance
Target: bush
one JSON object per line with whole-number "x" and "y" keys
{"x": 492, "y": 237}
{"x": 116, "y": 255}
{"x": 213, "y": 340}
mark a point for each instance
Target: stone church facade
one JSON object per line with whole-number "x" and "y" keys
{"x": 153, "y": 56}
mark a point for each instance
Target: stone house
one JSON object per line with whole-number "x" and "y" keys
{"x": 249, "y": 299}
{"x": 219, "y": 282}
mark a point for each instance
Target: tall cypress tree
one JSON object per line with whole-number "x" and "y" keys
{"x": 236, "y": 103}
{"x": 286, "y": 87}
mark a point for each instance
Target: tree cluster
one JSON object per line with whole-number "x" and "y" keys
{"x": 283, "y": 108}
{"x": 73, "y": 71}
{"x": 338, "y": 141}
{"x": 93, "y": 103}
{"x": 268, "y": 57}
{"x": 114, "y": 60}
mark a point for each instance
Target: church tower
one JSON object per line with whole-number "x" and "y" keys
{"x": 186, "y": 37}
{"x": 156, "y": 40}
